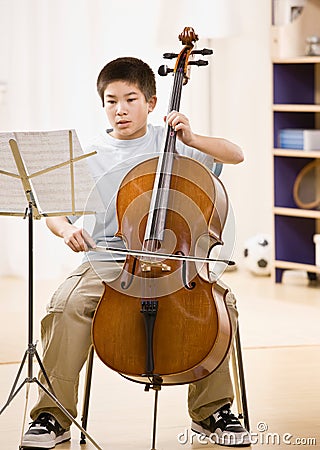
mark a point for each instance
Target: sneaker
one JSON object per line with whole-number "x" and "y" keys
{"x": 223, "y": 428}
{"x": 45, "y": 432}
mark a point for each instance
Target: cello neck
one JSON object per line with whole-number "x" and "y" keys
{"x": 155, "y": 227}
{"x": 160, "y": 193}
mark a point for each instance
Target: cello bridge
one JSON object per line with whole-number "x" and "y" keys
{"x": 147, "y": 266}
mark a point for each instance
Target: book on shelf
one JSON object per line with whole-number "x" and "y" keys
{"x": 299, "y": 139}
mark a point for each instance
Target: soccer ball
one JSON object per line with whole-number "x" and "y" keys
{"x": 257, "y": 254}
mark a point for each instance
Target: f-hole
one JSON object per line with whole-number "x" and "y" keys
{"x": 188, "y": 286}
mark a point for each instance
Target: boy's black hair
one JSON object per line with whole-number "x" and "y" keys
{"x": 131, "y": 70}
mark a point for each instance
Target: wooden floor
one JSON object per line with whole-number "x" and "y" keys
{"x": 280, "y": 333}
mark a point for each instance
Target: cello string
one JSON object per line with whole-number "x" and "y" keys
{"x": 164, "y": 183}
{"x": 161, "y": 194}
{"x": 163, "y": 189}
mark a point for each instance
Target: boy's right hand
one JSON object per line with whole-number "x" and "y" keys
{"x": 77, "y": 239}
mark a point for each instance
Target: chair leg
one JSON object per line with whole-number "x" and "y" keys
{"x": 238, "y": 375}
{"x": 85, "y": 409}
{"x": 239, "y": 380}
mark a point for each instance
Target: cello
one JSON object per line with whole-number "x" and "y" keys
{"x": 162, "y": 321}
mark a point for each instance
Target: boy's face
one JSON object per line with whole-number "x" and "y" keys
{"x": 127, "y": 109}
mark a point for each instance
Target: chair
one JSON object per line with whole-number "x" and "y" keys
{"x": 238, "y": 383}
{"x": 239, "y": 380}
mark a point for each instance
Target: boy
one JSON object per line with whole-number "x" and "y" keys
{"x": 128, "y": 92}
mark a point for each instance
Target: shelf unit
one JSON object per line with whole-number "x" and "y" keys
{"x": 296, "y": 104}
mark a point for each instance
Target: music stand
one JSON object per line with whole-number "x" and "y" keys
{"x": 40, "y": 169}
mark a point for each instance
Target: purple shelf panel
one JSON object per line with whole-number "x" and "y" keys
{"x": 305, "y": 120}
{"x": 285, "y": 173}
{"x": 294, "y": 240}
{"x": 293, "y": 83}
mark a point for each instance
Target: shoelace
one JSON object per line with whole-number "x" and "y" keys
{"x": 43, "y": 421}
{"x": 228, "y": 417}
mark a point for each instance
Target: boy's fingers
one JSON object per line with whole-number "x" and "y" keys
{"x": 88, "y": 239}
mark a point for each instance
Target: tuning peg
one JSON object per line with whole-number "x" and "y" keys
{"x": 170, "y": 55}
{"x": 204, "y": 52}
{"x": 164, "y": 70}
{"x": 200, "y": 62}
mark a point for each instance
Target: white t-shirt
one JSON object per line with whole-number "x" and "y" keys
{"x": 113, "y": 160}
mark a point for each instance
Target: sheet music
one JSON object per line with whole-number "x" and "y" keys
{"x": 12, "y": 195}
{"x": 52, "y": 189}
{"x": 44, "y": 149}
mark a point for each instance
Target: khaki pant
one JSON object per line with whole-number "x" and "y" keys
{"x": 66, "y": 339}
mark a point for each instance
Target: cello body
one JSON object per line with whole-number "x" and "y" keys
{"x": 164, "y": 318}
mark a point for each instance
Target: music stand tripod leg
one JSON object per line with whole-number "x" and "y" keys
{"x": 66, "y": 413}
{"x": 15, "y": 391}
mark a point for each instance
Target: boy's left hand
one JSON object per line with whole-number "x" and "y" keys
{"x": 181, "y": 126}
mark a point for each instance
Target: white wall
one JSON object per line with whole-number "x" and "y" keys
{"x": 242, "y": 100}
{"x": 51, "y": 53}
